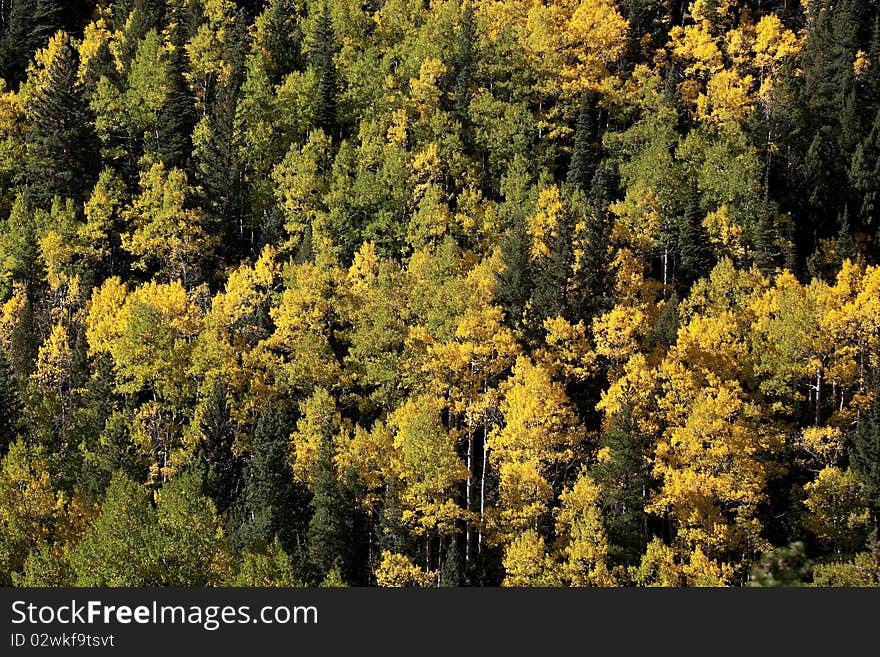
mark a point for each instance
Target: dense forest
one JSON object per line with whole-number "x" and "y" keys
{"x": 439, "y": 292}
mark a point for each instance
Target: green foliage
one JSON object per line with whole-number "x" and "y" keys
{"x": 784, "y": 566}
{"x": 214, "y": 458}
{"x": 330, "y": 527}
{"x": 321, "y": 58}
{"x": 61, "y": 144}
{"x": 178, "y": 543}
{"x": 271, "y": 504}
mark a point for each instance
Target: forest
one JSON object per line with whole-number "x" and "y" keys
{"x": 439, "y": 293}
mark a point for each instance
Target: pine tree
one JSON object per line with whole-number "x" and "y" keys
{"x": 865, "y": 455}
{"x": 15, "y": 44}
{"x": 272, "y": 504}
{"x": 451, "y": 572}
{"x": 330, "y": 528}
{"x": 514, "y": 284}
{"x": 552, "y": 294}
{"x": 10, "y": 405}
{"x": 585, "y": 154}
{"x": 695, "y": 255}
{"x": 392, "y": 535}
{"x": 784, "y": 566}
{"x": 624, "y": 481}
{"x": 47, "y": 20}
{"x": 214, "y": 457}
{"x": 145, "y": 15}
{"x": 766, "y": 240}
{"x": 283, "y": 40}
{"x": 223, "y": 192}
{"x": 592, "y": 278}
{"x": 177, "y": 118}
{"x": 322, "y": 60}
{"x": 464, "y": 67}
{"x": 62, "y": 146}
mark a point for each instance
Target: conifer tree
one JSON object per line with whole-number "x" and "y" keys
{"x": 866, "y": 448}
{"x": 47, "y": 20}
{"x": 214, "y": 457}
{"x": 464, "y": 67}
{"x": 330, "y": 528}
{"x": 62, "y": 148}
{"x": 451, "y": 572}
{"x": 10, "y": 405}
{"x": 585, "y": 154}
{"x": 15, "y": 42}
{"x": 695, "y": 256}
{"x": 625, "y": 482}
{"x": 272, "y": 502}
{"x": 321, "y": 58}
{"x": 177, "y": 117}
{"x": 283, "y": 40}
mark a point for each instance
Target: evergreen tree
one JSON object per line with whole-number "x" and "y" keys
{"x": 766, "y": 240}
{"x": 552, "y": 293}
{"x": 10, "y": 405}
{"x": 586, "y": 152}
{"x": 271, "y": 503}
{"x": 514, "y": 279}
{"x": 784, "y": 566}
{"x": 321, "y": 58}
{"x": 451, "y": 572}
{"x": 214, "y": 457}
{"x": 15, "y": 43}
{"x": 594, "y": 259}
{"x": 392, "y": 534}
{"x": 625, "y": 481}
{"x": 283, "y": 40}
{"x": 62, "y": 146}
{"x": 514, "y": 285}
{"x": 695, "y": 255}
{"x": 223, "y": 193}
{"x": 145, "y": 15}
{"x": 330, "y": 528}
{"x": 177, "y": 118}
{"x": 464, "y": 68}
{"x": 46, "y": 21}
{"x": 865, "y": 455}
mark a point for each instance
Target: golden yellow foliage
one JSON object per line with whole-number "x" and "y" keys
{"x": 398, "y": 570}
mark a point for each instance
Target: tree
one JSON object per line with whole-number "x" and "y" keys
{"x": 120, "y": 548}
{"x": 132, "y": 543}
{"x": 624, "y": 477}
{"x": 282, "y": 38}
{"x": 62, "y": 149}
{"x": 540, "y": 433}
{"x": 586, "y": 151}
{"x": 214, "y": 456}
{"x": 29, "y": 507}
{"x": 330, "y": 527}
{"x": 784, "y": 566}
{"x": 10, "y": 405}
{"x": 321, "y": 58}
{"x": 271, "y": 503}
{"x": 166, "y": 236}
{"x": 866, "y": 453}
{"x": 177, "y": 116}
{"x": 267, "y": 568}
{"x": 695, "y": 256}
{"x": 838, "y": 514}
{"x": 451, "y": 573}
{"x": 15, "y": 43}
{"x": 193, "y": 544}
